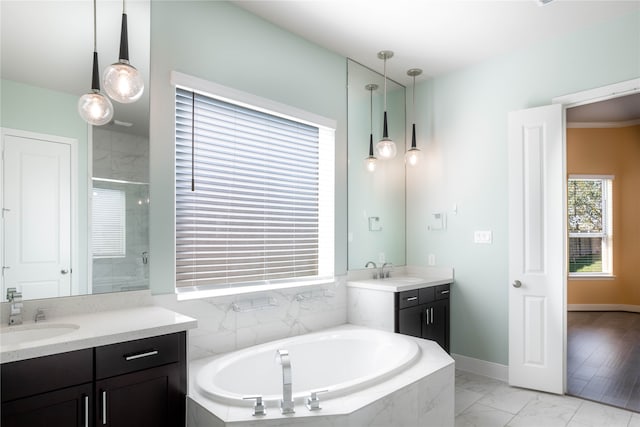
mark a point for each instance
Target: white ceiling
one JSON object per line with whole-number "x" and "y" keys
{"x": 49, "y": 43}
{"x": 438, "y": 36}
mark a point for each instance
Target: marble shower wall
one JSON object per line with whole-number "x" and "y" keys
{"x": 125, "y": 158}
{"x": 297, "y": 311}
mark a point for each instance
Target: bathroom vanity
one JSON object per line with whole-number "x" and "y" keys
{"x": 101, "y": 377}
{"x": 416, "y": 305}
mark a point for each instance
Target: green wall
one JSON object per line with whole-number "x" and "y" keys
{"x": 222, "y": 43}
{"x": 462, "y": 125}
{"x": 35, "y": 109}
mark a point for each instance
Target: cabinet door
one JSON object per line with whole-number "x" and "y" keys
{"x": 410, "y": 321}
{"x": 148, "y": 398}
{"x": 436, "y": 325}
{"x": 65, "y": 407}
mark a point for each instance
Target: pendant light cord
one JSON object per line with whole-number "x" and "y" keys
{"x": 413, "y": 112}
{"x": 95, "y": 38}
{"x": 371, "y": 111}
{"x": 385, "y": 84}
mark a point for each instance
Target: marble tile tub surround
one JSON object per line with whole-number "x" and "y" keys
{"x": 422, "y": 394}
{"x": 482, "y": 401}
{"x": 288, "y": 312}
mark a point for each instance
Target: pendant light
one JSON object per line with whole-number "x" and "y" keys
{"x": 413, "y": 155}
{"x": 385, "y": 148}
{"x": 370, "y": 162}
{"x": 122, "y": 81}
{"x": 94, "y": 107}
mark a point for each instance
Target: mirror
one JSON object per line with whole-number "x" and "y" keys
{"x": 46, "y": 59}
{"x": 376, "y": 200}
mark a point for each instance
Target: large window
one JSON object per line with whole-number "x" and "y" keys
{"x": 254, "y": 195}
{"x": 590, "y": 225}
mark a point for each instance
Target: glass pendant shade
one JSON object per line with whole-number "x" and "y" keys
{"x": 413, "y": 156}
{"x": 386, "y": 148}
{"x": 94, "y": 107}
{"x": 122, "y": 81}
{"x": 370, "y": 161}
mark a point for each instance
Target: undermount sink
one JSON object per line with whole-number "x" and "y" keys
{"x": 35, "y": 332}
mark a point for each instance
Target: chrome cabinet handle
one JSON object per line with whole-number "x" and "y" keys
{"x": 444, "y": 292}
{"x": 426, "y": 312}
{"x": 517, "y": 284}
{"x": 141, "y": 355}
{"x": 86, "y": 411}
{"x": 431, "y": 315}
{"x": 412, "y": 298}
{"x": 104, "y": 407}
{"x": 64, "y": 271}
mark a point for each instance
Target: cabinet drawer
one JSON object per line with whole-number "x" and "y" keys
{"x": 43, "y": 374}
{"x": 131, "y": 356}
{"x": 407, "y": 299}
{"x": 427, "y": 295}
{"x": 442, "y": 291}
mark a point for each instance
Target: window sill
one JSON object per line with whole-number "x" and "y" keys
{"x": 191, "y": 294}
{"x": 591, "y": 277}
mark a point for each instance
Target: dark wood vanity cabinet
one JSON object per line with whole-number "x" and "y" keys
{"x": 135, "y": 383}
{"x": 424, "y": 313}
{"x": 141, "y": 383}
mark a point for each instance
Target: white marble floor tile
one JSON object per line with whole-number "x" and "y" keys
{"x": 465, "y": 398}
{"x": 545, "y": 413}
{"x": 596, "y": 415}
{"x": 635, "y": 420}
{"x": 509, "y": 399}
{"x": 483, "y": 416}
{"x": 477, "y": 383}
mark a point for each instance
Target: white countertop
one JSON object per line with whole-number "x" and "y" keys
{"x": 399, "y": 284}
{"x": 96, "y": 329}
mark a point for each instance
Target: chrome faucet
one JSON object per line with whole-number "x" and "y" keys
{"x": 15, "y": 298}
{"x": 40, "y": 315}
{"x": 382, "y": 273}
{"x": 375, "y": 275}
{"x": 286, "y": 404}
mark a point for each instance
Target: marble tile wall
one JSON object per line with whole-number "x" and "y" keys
{"x": 221, "y": 329}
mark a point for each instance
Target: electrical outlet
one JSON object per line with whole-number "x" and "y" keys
{"x": 381, "y": 258}
{"x": 431, "y": 259}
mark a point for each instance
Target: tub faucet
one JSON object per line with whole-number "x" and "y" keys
{"x": 15, "y": 298}
{"x": 382, "y": 273}
{"x": 286, "y": 404}
{"x": 375, "y": 275}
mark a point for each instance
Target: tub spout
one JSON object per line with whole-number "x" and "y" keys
{"x": 286, "y": 404}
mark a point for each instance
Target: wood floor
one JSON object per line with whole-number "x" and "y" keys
{"x": 603, "y": 357}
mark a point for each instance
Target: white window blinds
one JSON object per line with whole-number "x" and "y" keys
{"x": 108, "y": 223}
{"x": 253, "y": 214}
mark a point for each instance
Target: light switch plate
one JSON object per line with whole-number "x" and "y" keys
{"x": 483, "y": 237}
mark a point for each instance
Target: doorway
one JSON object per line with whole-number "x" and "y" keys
{"x": 603, "y": 318}
{"x": 38, "y": 183}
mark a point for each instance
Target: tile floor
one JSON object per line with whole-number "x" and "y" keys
{"x": 485, "y": 402}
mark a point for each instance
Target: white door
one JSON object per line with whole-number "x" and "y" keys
{"x": 36, "y": 185}
{"x": 536, "y": 249}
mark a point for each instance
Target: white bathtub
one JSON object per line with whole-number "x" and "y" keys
{"x": 373, "y": 377}
{"x": 340, "y": 361}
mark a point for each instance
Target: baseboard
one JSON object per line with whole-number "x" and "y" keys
{"x": 481, "y": 367}
{"x": 604, "y": 307}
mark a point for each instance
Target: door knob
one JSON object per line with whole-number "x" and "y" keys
{"x": 64, "y": 271}
{"x": 517, "y": 283}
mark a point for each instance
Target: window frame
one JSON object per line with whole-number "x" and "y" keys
{"x": 254, "y": 102}
{"x": 607, "y": 228}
